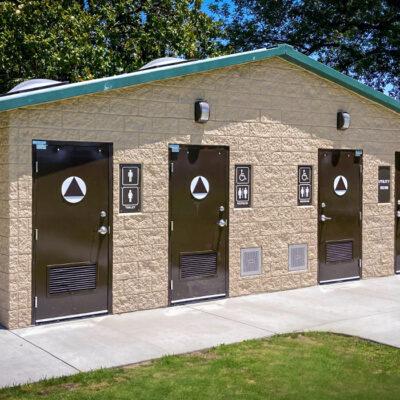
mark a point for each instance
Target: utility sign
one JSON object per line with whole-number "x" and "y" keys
{"x": 130, "y": 188}
{"x": 304, "y": 185}
{"x": 242, "y": 186}
{"x": 384, "y": 184}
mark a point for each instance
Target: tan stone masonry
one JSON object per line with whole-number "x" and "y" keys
{"x": 271, "y": 114}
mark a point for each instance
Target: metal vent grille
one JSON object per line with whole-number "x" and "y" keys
{"x": 339, "y": 251}
{"x": 198, "y": 265}
{"x": 297, "y": 257}
{"x": 250, "y": 261}
{"x": 71, "y": 279}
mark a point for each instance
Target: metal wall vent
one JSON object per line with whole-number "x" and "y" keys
{"x": 298, "y": 257}
{"x": 198, "y": 265}
{"x": 339, "y": 251}
{"x": 71, "y": 279}
{"x": 250, "y": 261}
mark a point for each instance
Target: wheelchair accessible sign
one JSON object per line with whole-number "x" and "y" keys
{"x": 242, "y": 186}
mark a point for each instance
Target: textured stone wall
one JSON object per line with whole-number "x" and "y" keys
{"x": 271, "y": 114}
{"x": 5, "y": 226}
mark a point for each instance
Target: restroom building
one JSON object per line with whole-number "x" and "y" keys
{"x": 188, "y": 180}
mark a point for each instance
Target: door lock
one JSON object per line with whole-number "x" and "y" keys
{"x": 103, "y": 230}
{"x": 325, "y": 218}
{"x": 222, "y": 223}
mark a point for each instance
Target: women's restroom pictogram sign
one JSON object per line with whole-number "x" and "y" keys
{"x": 242, "y": 186}
{"x": 130, "y": 187}
{"x": 304, "y": 191}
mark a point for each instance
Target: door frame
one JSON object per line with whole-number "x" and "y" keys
{"x": 227, "y": 242}
{"x": 111, "y": 219}
{"x": 319, "y": 247}
{"x": 396, "y": 188}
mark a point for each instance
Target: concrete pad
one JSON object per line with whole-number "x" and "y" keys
{"x": 300, "y": 309}
{"x": 22, "y": 362}
{"x": 368, "y": 308}
{"x": 377, "y": 288}
{"x": 382, "y": 328}
{"x": 130, "y": 338}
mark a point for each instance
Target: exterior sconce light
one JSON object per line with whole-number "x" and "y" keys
{"x": 201, "y": 111}
{"x": 343, "y": 120}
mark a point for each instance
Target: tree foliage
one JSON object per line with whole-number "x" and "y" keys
{"x": 77, "y": 40}
{"x": 358, "y": 37}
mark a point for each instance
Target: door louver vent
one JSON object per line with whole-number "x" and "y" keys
{"x": 71, "y": 279}
{"x": 339, "y": 251}
{"x": 250, "y": 261}
{"x": 198, "y": 265}
{"x": 297, "y": 257}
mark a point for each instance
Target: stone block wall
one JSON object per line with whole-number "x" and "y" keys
{"x": 272, "y": 115}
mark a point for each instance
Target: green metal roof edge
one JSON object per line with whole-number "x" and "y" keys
{"x": 331, "y": 74}
{"x": 173, "y": 71}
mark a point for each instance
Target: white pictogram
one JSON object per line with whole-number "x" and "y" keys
{"x": 130, "y": 176}
{"x": 242, "y": 175}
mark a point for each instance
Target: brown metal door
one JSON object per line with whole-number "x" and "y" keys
{"x": 397, "y": 216}
{"x": 198, "y": 218}
{"x": 71, "y": 229}
{"x": 339, "y": 215}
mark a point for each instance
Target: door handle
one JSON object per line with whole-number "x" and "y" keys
{"x": 103, "y": 230}
{"x": 398, "y": 214}
{"x": 325, "y": 218}
{"x": 222, "y": 223}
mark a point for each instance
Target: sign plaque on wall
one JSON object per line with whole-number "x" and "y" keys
{"x": 304, "y": 185}
{"x": 242, "y": 186}
{"x": 384, "y": 184}
{"x": 130, "y": 188}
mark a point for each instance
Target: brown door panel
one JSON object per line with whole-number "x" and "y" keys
{"x": 71, "y": 258}
{"x": 198, "y": 245}
{"x": 339, "y": 215}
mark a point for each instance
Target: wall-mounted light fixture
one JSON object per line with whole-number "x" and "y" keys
{"x": 201, "y": 111}
{"x": 343, "y": 120}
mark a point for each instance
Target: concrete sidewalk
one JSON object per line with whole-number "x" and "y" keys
{"x": 369, "y": 308}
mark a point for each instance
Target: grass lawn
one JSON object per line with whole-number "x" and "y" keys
{"x": 297, "y": 366}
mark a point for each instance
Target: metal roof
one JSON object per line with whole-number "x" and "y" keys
{"x": 285, "y": 52}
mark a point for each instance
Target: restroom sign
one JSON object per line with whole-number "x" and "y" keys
{"x": 304, "y": 185}
{"x": 242, "y": 186}
{"x": 340, "y": 185}
{"x": 199, "y": 187}
{"x": 73, "y": 189}
{"x": 130, "y": 188}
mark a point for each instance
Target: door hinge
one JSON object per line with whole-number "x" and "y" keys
{"x": 172, "y": 226}
{"x": 172, "y": 167}
{"x": 171, "y": 285}
{"x": 35, "y": 302}
{"x": 36, "y": 234}
{"x": 359, "y": 263}
{"x": 360, "y": 215}
{"x": 37, "y": 166}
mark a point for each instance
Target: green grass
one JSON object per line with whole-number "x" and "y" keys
{"x": 298, "y": 366}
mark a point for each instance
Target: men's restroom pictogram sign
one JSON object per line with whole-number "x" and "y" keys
{"x": 130, "y": 188}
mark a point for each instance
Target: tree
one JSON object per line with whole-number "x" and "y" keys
{"x": 360, "y": 38}
{"x": 76, "y": 40}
